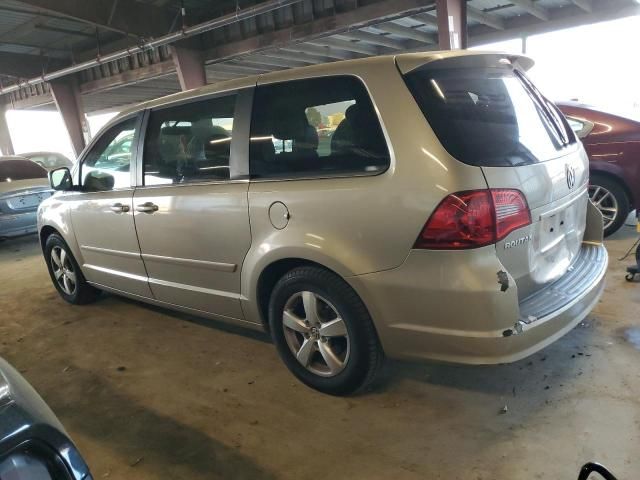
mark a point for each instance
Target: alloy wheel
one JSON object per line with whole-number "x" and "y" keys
{"x": 606, "y": 203}
{"x": 316, "y": 334}
{"x": 63, "y": 270}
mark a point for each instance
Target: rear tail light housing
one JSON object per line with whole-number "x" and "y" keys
{"x": 473, "y": 219}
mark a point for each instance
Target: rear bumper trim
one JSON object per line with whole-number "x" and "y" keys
{"x": 587, "y": 270}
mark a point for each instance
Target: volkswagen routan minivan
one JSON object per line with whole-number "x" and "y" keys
{"x": 418, "y": 206}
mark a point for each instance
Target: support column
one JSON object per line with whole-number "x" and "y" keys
{"x": 452, "y": 24}
{"x": 190, "y": 66}
{"x": 66, "y": 95}
{"x": 6, "y": 145}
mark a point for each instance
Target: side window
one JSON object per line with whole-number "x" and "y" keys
{"x": 318, "y": 127}
{"x": 189, "y": 143}
{"x": 107, "y": 165}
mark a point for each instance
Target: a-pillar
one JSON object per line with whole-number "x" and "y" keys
{"x": 452, "y": 24}
{"x": 67, "y": 98}
{"x": 190, "y": 67}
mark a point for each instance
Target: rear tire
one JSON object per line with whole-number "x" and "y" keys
{"x": 608, "y": 195}
{"x": 65, "y": 272}
{"x": 323, "y": 331}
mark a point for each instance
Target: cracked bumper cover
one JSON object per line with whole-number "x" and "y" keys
{"x": 452, "y": 306}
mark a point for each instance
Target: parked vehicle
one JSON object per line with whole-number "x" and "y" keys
{"x": 23, "y": 185}
{"x": 613, "y": 146}
{"x": 48, "y": 160}
{"x": 33, "y": 443}
{"x": 447, "y": 218}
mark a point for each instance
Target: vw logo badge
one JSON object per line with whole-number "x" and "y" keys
{"x": 571, "y": 176}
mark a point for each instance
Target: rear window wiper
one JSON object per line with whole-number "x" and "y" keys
{"x": 546, "y": 108}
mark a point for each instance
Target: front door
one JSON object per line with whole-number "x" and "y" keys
{"x": 102, "y": 214}
{"x": 191, "y": 215}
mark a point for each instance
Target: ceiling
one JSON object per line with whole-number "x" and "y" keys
{"x": 41, "y": 36}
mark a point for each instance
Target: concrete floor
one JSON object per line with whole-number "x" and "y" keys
{"x": 149, "y": 394}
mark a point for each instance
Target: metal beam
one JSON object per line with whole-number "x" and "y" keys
{"x": 585, "y": 5}
{"x": 190, "y": 67}
{"x": 129, "y": 77}
{"x": 407, "y": 32}
{"x": 67, "y": 98}
{"x": 124, "y": 16}
{"x": 347, "y": 45}
{"x": 275, "y": 62}
{"x": 39, "y": 48}
{"x": 64, "y": 31}
{"x": 321, "y": 50}
{"x": 365, "y": 16}
{"x": 24, "y": 66}
{"x": 452, "y": 24}
{"x": 6, "y": 145}
{"x": 530, "y": 7}
{"x": 485, "y": 18}
{"x": 373, "y": 39}
{"x": 426, "y": 18}
{"x": 567, "y": 17}
{"x": 298, "y": 56}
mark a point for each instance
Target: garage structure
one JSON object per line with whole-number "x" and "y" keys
{"x": 83, "y": 58}
{"x": 141, "y": 405}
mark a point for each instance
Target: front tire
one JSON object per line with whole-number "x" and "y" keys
{"x": 610, "y": 198}
{"x": 65, "y": 272}
{"x": 323, "y": 331}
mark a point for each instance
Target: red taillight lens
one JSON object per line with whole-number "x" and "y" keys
{"x": 474, "y": 219}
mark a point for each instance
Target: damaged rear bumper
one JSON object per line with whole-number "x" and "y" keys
{"x": 463, "y": 306}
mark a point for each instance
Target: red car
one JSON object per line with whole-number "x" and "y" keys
{"x": 613, "y": 146}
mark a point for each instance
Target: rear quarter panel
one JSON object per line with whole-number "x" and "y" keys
{"x": 357, "y": 225}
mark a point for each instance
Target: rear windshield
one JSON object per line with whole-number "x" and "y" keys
{"x": 490, "y": 116}
{"x": 12, "y": 170}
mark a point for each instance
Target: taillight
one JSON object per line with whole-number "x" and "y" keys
{"x": 474, "y": 219}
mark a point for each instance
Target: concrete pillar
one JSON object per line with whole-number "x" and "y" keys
{"x": 452, "y": 24}
{"x": 190, "y": 66}
{"x": 6, "y": 145}
{"x": 67, "y": 98}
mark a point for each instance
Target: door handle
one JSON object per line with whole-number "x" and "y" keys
{"x": 147, "y": 207}
{"x": 119, "y": 208}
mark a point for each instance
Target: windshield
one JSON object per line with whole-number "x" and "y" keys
{"x": 13, "y": 170}
{"x": 490, "y": 116}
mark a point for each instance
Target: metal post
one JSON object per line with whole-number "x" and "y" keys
{"x": 190, "y": 67}
{"x": 67, "y": 98}
{"x": 6, "y": 145}
{"x": 452, "y": 24}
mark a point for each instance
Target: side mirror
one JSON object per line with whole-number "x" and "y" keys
{"x": 60, "y": 179}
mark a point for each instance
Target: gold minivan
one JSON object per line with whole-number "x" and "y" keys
{"x": 418, "y": 206}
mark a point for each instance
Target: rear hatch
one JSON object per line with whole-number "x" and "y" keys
{"x": 487, "y": 113}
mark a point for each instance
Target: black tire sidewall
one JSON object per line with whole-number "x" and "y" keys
{"x": 358, "y": 365}
{"x": 617, "y": 190}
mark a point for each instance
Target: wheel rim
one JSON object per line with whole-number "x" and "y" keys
{"x": 606, "y": 203}
{"x": 63, "y": 271}
{"x": 316, "y": 334}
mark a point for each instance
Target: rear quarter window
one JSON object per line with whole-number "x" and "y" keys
{"x": 13, "y": 170}
{"x": 319, "y": 127}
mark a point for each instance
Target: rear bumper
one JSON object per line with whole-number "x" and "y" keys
{"x": 463, "y": 306}
{"x": 19, "y": 224}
